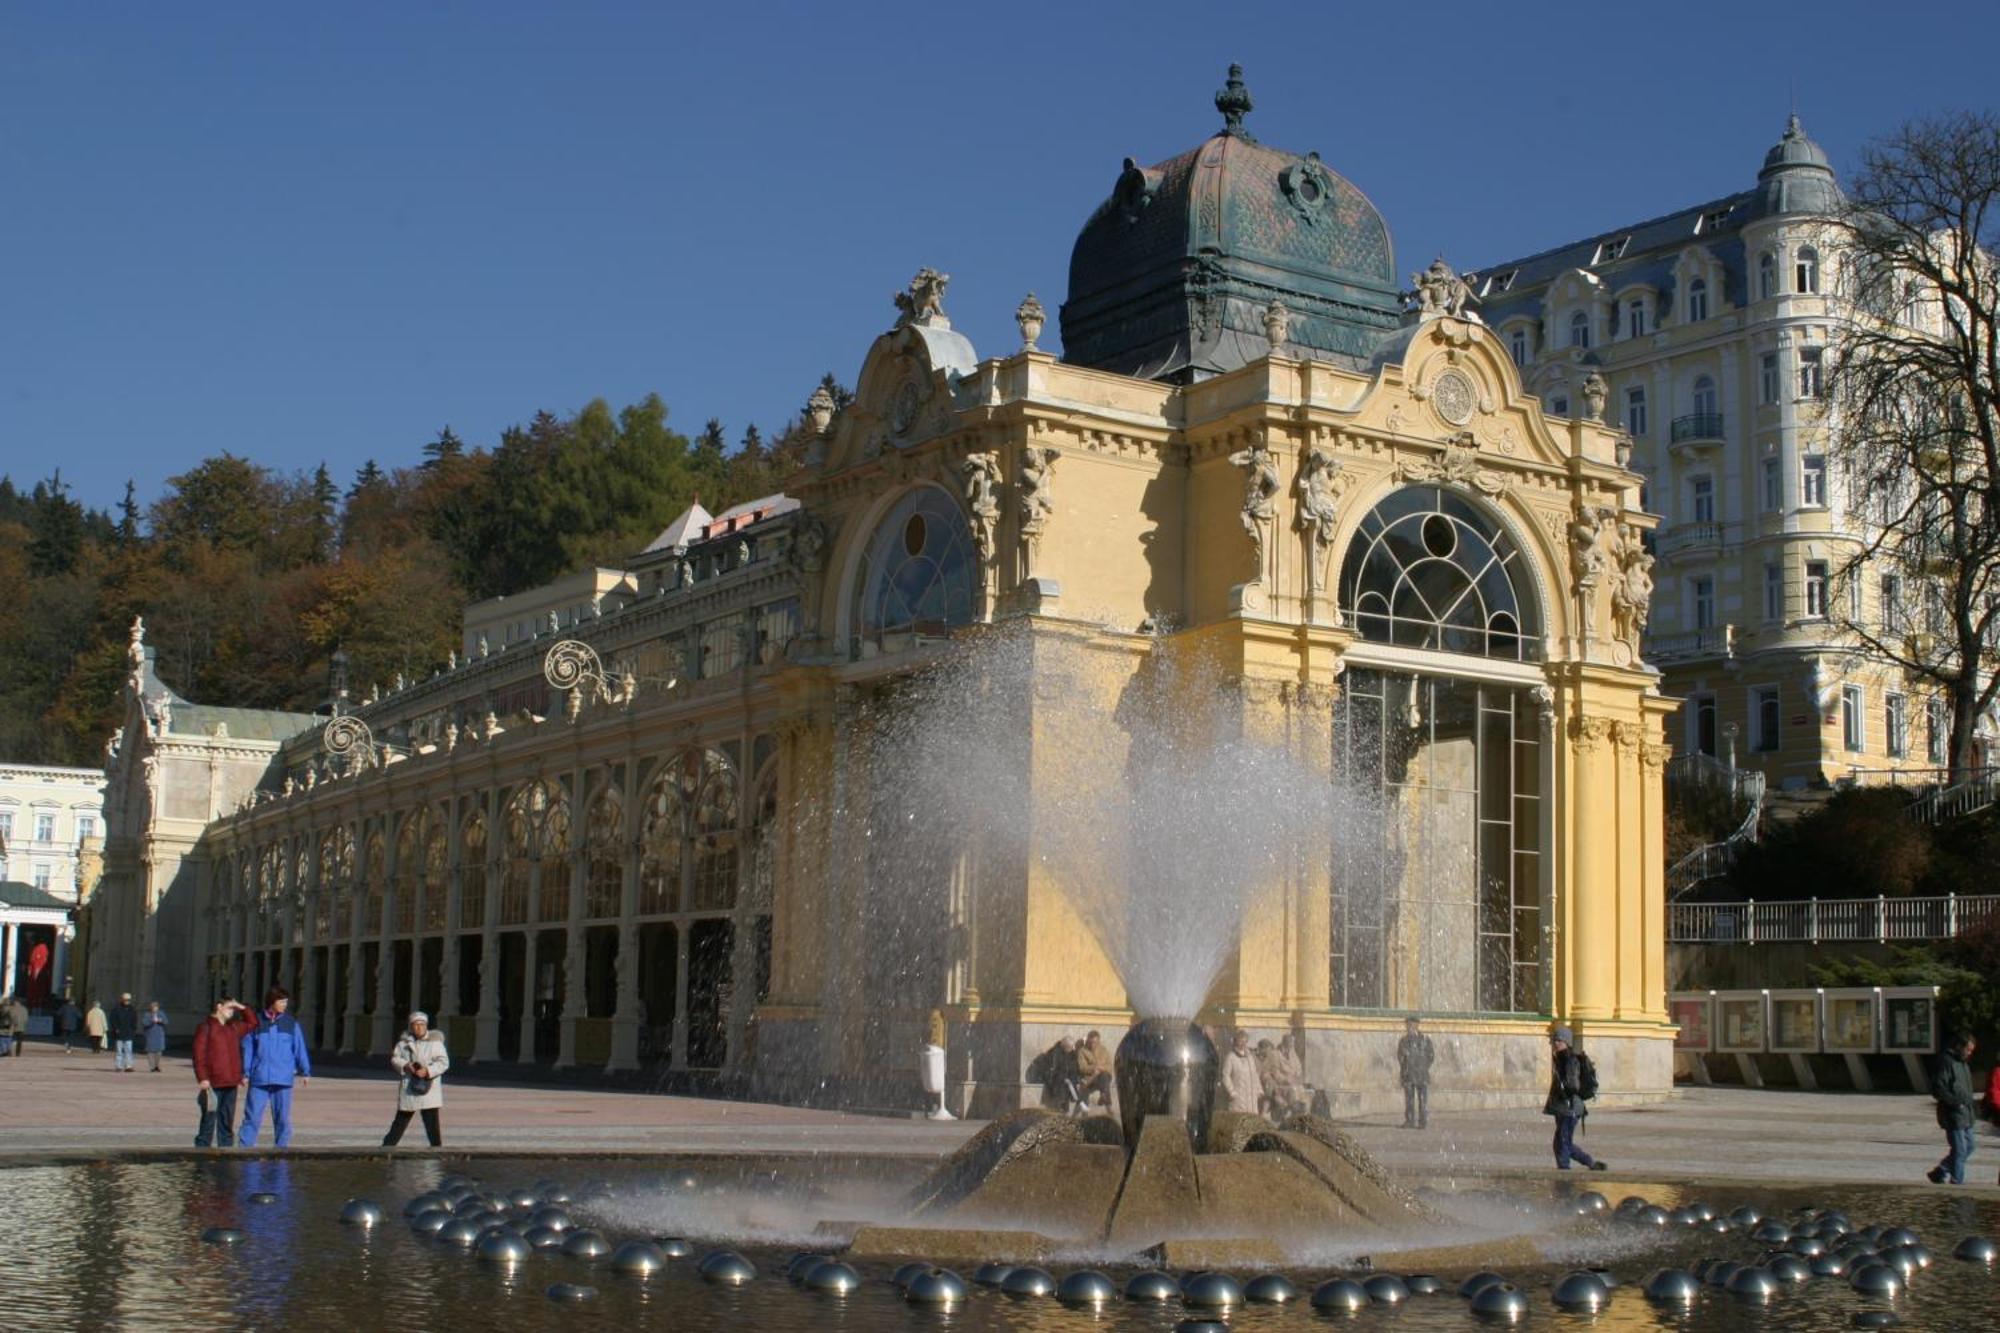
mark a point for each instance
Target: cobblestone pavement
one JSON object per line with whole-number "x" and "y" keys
{"x": 53, "y": 1105}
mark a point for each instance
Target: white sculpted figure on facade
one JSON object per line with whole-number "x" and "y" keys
{"x": 1037, "y": 502}
{"x": 1439, "y": 291}
{"x": 982, "y": 498}
{"x": 1632, "y": 594}
{"x": 1261, "y": 488}
{"x": 1319, "y": 483}
{"x": 1591, "y": 535}
{"x": 923, "y": 303}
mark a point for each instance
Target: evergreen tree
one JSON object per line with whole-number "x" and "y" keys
{"x": 325, "y": 499}
{"x": 369, "y": 478}
{"x": 128, "y": 517}
{"x": 446, "y": 446}
{"x": 58, "y": 525}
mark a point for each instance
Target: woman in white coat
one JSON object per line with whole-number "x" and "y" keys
{"x": 420, "y": 1059}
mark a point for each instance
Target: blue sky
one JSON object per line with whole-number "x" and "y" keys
{"x": 321, "y": 233}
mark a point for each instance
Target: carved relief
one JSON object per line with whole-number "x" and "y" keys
{"x": 1654, "y": 755}
{"x": 1458, "y": 466}
{"x": 982, "y": 498}
{"x": 1592, "y": 538}
{"x": 1628, "y": 735}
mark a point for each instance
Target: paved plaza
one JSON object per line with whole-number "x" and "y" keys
{"x": 77, "y": 1107}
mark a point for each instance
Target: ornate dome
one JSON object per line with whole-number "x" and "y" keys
{"x": 1797, "y": 176}
{"x": 1173, "y": 275}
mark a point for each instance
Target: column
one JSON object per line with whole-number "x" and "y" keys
{"x": 573, "y": 991}
{"x": 1628, "y": 876}
{"x": 486, "y": 1027}
{"x": 1593, "y": 872}
{"x": 356, "y": 942}
{"x": 625, "y": 1019}
{"x": 1653, "y": 865}
{"x": 288, "y": 921}
{"x": 526, "y": 1055}
{"x": 10, "y": 940}
{"x": 453, "y": 893}
{"x": 382, "y": 1031}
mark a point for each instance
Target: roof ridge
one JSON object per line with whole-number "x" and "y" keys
{"x": 1732, "y": 199}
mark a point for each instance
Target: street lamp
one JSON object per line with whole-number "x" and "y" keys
{"x": 1729, "y": 730}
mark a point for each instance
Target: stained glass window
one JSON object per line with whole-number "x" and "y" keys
{"x": 1429, "y": 569}
{"x": 919, "y": 567}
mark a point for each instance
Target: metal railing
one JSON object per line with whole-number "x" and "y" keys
{"x": 1822, "y": 920}
{"x": 1976, "y": 793}
{"x": 1696, "y": 426}
{"x": 1715, "y": 858}
{"x": 1696, "y": 769}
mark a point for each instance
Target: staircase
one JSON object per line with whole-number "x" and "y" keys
{"x": 1692, "y": 775}
{"x": 1977, "y": 792}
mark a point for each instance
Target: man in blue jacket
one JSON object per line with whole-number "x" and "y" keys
{"x": 274, "y": 1053}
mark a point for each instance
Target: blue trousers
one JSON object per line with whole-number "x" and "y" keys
{"x": 279, "y": 1096}
{"x": 1566, "y": 1149}
{"x": 1958, "y": 1144}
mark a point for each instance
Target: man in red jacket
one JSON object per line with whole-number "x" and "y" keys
{"x": 218, "y": 1070}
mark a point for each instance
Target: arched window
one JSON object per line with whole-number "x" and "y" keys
{"x": 1517, "y": 344}
{"x": 1697, "y": 301}
{"x": 336, "y": 880}
{"x": 1767, "y": 276}
{"x": 412, "y": 845}
{"x": 603, "y": 835}
{"x": 521, "y": 829}
{"x": 1704, "y": 396}
{"x": 919, "y": 568}
{"x": 1806, "y": 270}
{"x": 690, "y": 837}
{"x": 472, "y": 872}
{"x": 374, "y": 866}
{"x": 554, "y": 848}
{"x": 1429, "y": 569}
{"x": 1579, "y": 329}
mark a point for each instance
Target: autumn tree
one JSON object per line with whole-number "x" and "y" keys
{"x": 1915, "y": 410}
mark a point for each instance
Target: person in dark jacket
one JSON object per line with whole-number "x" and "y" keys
{"x": 122, "y": 1024}
{"x": 274, "y": 1056}
{"x": 1414, "y": 1054}
{"x": 218, "y": 1070}
{"x": 1566, "y": 1101}
{"x": 68, "y": 1019}
{"x": 1957, "y": 1108}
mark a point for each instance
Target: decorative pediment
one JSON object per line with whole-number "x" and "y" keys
{"x": 909, "y": 380}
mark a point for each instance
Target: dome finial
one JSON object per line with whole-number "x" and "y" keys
{"x": 1233, "y": 101}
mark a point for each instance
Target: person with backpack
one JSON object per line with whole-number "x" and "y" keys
{"x": 1957, "y": 1108}
{"x": 1572, "y": 1085}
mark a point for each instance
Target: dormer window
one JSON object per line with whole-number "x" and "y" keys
{"x": 1805, "y": 272}
{"x": 1610, "y": 250}
{"x": 1500, "y": 282}
{"x": 1697, "y": 301}
{"x": 1713, "y": 220}
{"x": 1767, "y": 276}
{"x": 1579, "y": 329}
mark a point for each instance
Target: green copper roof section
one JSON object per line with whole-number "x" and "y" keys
{"x": 1172, "y": 274}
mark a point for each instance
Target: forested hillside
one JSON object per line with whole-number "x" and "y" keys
{"x": 249, "y": 578}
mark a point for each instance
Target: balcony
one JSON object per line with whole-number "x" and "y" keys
{"x": 1717, "y": 641}
{"x": 1696, "y": 431}
{"x": 1691, "y": 538}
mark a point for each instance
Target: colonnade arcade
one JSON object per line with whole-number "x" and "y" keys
{"x": 600, "y": 915}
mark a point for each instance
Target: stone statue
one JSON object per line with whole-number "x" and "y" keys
{"x": 1632, "y": 594}
{"x": 1037, "y": 502}
{"x": 683, "y": 572}
{"x": 982, "y": 498}
{"x": 742, "y": 552}
{"x": 819, "y": 410}
{"x": 136, "y": 645}
{"x": 555, "y": 625}
{"x": 1595, "y": 391}
{"x": 1277, "y": 324}
{"x": 1317, "y": 510}
{"x": 923, "y": 303}
{"x": 809, "y": 545}
{"x": 484, "y": 650}
{"x": 1260, "y": 494}
{"x": 1029, "y": 317}
{"x": 1591, "y": 533}
{"x": 1439, "y": 291}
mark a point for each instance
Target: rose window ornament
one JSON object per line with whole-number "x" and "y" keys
{"x": 1454, "y": 398}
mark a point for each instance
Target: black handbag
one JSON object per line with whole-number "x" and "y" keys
{"x": 419, "y": 1086}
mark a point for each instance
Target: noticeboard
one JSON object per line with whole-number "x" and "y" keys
{"x": 1850, "y": 1021}
{"x": 1740, "y": 1021}
{"x": 1909, "y": 1019}
{"x": 1695, "y": 1014}
{"x": 1795, "y": 1021}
